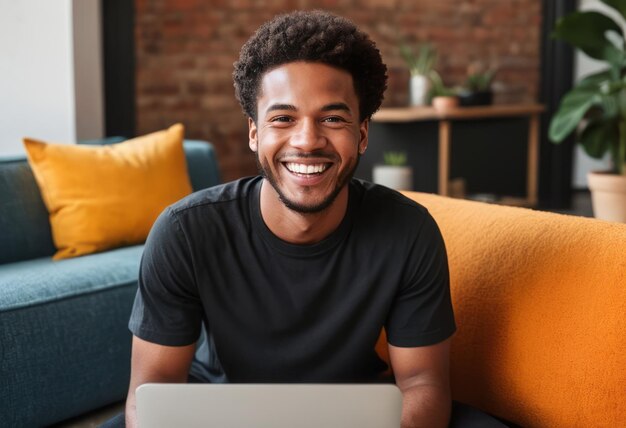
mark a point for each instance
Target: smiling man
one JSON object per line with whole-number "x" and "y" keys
{"x": 294, "y": 273}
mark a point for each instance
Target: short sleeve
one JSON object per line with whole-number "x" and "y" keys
{"x": 167, "y": 308}
{"x": 421, "y": 313}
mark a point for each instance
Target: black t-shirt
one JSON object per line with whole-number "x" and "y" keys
{"x": 279, "y": 312}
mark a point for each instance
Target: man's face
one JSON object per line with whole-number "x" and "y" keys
{"x": 307, "y": 137}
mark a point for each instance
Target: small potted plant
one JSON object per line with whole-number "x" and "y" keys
{"x": 596, "y": 107}
{"x": 476, "y": 91}
{"x": 420, "y": 59}
{"x": 395, "y": 173}
{"x": 442, "y": 97}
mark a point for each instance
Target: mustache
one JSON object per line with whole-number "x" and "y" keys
{"x": 318, "y": 155}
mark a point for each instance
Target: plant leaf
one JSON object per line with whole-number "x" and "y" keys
{"x": 573, "y": 107}
{"x": 407, "y": 55}
{"x": 420, "y": 59}
{"x": 596, "y": 79}
{"x": 588, "y": 32}
{"x": 610, "y": 105}
{"x": 598, "y": 137}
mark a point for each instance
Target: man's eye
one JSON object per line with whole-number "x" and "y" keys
{"x": 334, "y": 119}
{"x": 281, "y": 119}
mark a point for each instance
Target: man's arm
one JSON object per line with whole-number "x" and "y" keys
{"x": 423, "y": 376}
{"x": 155, "y": 363}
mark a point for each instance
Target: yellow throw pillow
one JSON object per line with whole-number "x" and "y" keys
{"x": 102, "y": 197}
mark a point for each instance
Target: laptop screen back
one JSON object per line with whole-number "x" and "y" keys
{"x": 269, "y": 406}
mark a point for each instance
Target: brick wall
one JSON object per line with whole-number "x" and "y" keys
{"x": 185, "y": 50}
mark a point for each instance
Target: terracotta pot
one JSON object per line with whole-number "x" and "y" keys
{"x": 445, "y": 102}
{"x": 608, "y": 195}
{"x": 394, "y": 177}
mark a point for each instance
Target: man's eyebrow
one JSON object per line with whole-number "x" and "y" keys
{"x": 274, "y": 107}
{"x": 337, "y": 106}
{"x": 327, "y": 107}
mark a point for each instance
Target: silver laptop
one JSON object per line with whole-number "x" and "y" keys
{"x": 269, "y": 406}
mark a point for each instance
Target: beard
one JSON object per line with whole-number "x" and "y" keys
{"x": 343, "y": 179}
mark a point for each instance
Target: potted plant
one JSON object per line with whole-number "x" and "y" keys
{"x": 420, "y": 61}
{"x": 395, "y": 173}
{"x": 596, "y": 107}
{"x": 442, "y": 97}
{"x": 476, "y": 90}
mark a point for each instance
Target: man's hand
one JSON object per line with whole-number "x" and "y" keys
{"x": 155, "y": 363}
{"x": 423, "y": 376}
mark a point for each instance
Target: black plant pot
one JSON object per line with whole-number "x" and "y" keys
{"x": 478, "y": 98}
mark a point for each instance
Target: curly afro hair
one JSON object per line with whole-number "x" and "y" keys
{"x": 313, "y": 36}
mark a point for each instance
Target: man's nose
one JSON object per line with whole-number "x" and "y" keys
{"x": 308, "y": 136}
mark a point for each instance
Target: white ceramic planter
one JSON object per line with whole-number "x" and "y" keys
{"x": 608, "y": 196}
{"x": 419, "y": 89}
{"x": 394, "y": 177}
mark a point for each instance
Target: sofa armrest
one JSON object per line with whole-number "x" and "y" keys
{"x": 540, "y": 304}
{"x": 201, "y": 164}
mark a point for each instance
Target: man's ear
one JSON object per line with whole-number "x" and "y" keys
{"x": 363, "y": 130}
{"x": 252, "y": 135}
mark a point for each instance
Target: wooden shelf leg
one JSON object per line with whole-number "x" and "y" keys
{"x": 444, "y": 156}
{"x": 533, "y": 160}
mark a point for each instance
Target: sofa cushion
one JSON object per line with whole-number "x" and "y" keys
{"x": 22, "y": 283}
{"x": 199, "y": 155}
{"x": 65, "y": 345}
{"x": 102, "y": 197}
{"x": 24, "y": 225}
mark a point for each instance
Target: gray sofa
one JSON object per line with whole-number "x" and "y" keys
{"x": 64, "y": 341}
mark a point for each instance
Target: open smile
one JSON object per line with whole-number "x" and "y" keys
{"x": 306, "y": 170}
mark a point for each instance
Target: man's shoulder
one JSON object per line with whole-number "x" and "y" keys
{"x": 216, "y": 197}
{"x": 385, "y": 213}
{"x": 383, "y": 200}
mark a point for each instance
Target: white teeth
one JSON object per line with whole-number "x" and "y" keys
{"x": 306, "y": 169}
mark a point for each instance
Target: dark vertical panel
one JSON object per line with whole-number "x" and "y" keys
{"x": 478, "y": 154}
{"x": 557, "y": 59}
{"x": 118, "y": 17}
{"x": 417, "y": 139}
{"x": 490, "y": 155}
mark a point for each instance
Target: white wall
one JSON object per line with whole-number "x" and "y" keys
{"x": 37, "y": 72}
{"x": 583, "y": 66}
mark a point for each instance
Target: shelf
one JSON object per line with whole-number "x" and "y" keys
{"x": 411, "y": 114}
{"x": 445, "y": 119}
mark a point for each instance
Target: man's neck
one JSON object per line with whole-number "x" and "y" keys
{"x": 301, "y": 228}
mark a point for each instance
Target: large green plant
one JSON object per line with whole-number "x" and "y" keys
{"x": 596, "y": 106}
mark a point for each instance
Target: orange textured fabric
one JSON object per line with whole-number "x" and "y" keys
{"x": 540, "y": 304}
{"x": 101, "y": 197}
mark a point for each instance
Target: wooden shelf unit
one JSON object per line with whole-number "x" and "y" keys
{"x": 448, "y": 116}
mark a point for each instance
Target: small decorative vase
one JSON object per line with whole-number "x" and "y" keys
{"x": 394, "y": 177}
{"x": 608, "y": 196}
{"x": 419, "y": 89}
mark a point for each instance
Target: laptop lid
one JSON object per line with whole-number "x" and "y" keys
{"x": 269, "y": 405}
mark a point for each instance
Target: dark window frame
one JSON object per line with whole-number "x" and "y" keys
{"x": 118, "y": 47}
